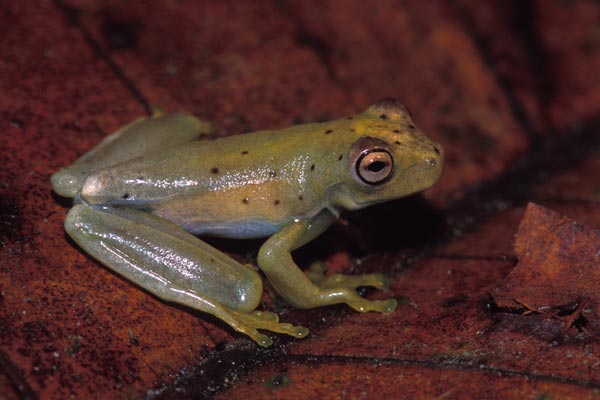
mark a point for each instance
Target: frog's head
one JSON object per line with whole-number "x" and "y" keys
{"x": 389, "y": 158}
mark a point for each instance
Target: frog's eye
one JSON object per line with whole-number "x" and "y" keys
{"x": 375, "y": 166}
{"x": 370, "y": 161}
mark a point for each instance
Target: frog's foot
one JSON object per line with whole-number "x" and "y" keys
{"x": 317, "y": 270}
{"x": 314, "y": 290}
{"x": 249, "y": 323}
{"x": 358, "y": 303}
{"x": 339, "y": 286}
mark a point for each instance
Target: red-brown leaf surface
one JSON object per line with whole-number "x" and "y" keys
{"x": 511, "y": 90}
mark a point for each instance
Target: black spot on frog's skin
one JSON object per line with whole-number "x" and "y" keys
{"x": 214, "y": 170}
{"x": 411, "y": 127}
{"x": 245, "y": 200}
{"x": 312, "y": 167}
{"x": 352, "y": 130}
{"x": 397, "y": 142}
{"x": 212, "y": 260}
{"x": 244, "y": 152}
{"x": 300, "y": 197}
{"x": 125, "y": 196}
{"x": 340, "y": 157}
{"x": 396, "y": 130}
{"x": 328, "y": 131}
{"x": 350, "y": 118}
{"x": 383, "y": 116}
{"x": 276, "y": 202}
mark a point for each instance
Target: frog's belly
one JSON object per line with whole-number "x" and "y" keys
{"x": 241, "y": 216}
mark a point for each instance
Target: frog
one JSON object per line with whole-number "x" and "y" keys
{"x": 147, "y": 194}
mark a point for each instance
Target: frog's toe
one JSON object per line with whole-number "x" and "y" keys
{"x": 316, "y": 274}
{"x": 287, "y": 328}
{"x": 294, "y": 330}
{"x": 389, "y": 306}
{"x": 259, "y": 338}
{"x": 265, "y": 320}
{"x": 263, "y": 340}
{"x": 249, "y": 328}
{"x": 377, "y": 281}
{"x": 383, "y": 306}
{"x": 266, "y": 316}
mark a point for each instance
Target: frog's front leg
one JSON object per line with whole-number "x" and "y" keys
{"x": 275, "y": 259}
{"x": 175, "y": 266}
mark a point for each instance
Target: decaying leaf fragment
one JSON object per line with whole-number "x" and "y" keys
{"x": 558, "y": 274}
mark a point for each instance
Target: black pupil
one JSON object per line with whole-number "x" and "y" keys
{"x": 376, "y": 166}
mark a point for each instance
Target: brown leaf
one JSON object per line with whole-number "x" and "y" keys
{"x": 558, "y": 270}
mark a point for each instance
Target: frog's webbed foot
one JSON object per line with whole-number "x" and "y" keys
{"x": 249, "y": 323}
{"x": 317, "y": 270}
{"x": 345, "y": 285}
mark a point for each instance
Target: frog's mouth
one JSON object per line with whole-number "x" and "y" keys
{"x": 412, "y": 180}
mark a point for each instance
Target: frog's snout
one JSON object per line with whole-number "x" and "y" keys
{"x": 434, "y": 161}
{"x": 436, "y": 156}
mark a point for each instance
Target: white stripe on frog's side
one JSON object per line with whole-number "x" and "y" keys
{"x": 233, "y": 229}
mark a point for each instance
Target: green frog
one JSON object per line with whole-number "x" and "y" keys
{"x": 146, "y": 191}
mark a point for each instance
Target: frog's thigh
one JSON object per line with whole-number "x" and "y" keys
{"x": 175, "y": 266}
{"x": 275, "y": 260}
{"x": 135, "y": 139}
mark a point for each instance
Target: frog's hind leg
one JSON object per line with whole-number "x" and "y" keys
{"x": 176, "y": 266}
{"x": 317, "y": 270}
{"x": 135, "y": 139}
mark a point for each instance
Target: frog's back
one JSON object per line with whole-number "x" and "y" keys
{"x": 243, "y": 186}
